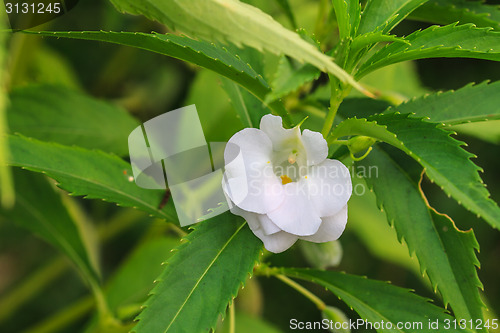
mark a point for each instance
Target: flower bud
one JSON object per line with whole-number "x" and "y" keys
{"x": 360, "y": 143}
{"x": 322, "y": 255}
{"x": 339, "y": 321}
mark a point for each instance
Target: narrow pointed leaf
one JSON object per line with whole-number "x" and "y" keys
{"x": 469, "y": 104}
{"x": 444, "y": 253}
{"x": 236, "y": 22}
{"x": 200, "y": 53}
{"x": 201, "y": 278}
{"x": 385, "y": 15}
{"x": 377, "y": 301}
{"x": 451, "y": 41}
{"x": 59, "y": 114}
{"x": 289, "y": 78}
{"x": 463, "y": 11}
{"x": 348, "y": 13}
{"x": 249, "y": 109}
{"x": 444, "y": 160}
{"x": 39, "y": 209}
{"x": 92, "y": 174}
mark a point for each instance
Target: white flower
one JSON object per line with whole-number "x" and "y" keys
{"x": 282, "y": 184}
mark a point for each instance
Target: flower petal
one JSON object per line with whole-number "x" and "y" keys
{"x": 267, "y": 225}
{"x": 277, "y": 242}
{"x": 315, "y": 146}
{"x": 249, "y": 180}
{"x": 331, "y": 228}
{"x": 282, "y": 139}
{"x": 257, "y": 221}
{"x": 329, "y": 187}
{"x": 296, "y": 215}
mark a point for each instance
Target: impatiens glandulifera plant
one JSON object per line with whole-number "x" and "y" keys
{"x": 273, "y": 77}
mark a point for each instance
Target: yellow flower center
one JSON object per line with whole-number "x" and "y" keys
{"x": 285, "y": 179}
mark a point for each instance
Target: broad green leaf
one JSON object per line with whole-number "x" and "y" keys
{"x": 469, "y": 104}
{"x": 248, "y": 108}
{"x": 380, "y": 241}
{"x": 444, "y": 161}
{"x": 377, "y": 301}
{"x": 444, "y": 253}
{"x": 385, "y": 15}
{"x": 200, "y": 53}
{"x": 463, "y": 11}
{"x": 58, "y": 114}
{"x": 487, "y": 130}
{"x": 348, "y": 13}
{"x": 92, "y": 174}
{"x": 39, "y": 209}
{"x": 202, "y": 277}
{"x": 236, "y": 22}
{"x": 289, "y": 77}
{"x": 451, "y": 41}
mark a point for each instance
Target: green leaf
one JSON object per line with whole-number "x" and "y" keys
{"x": 348, "y": 13}
{"x": 444, "y": 161}
{"x": 469, "y": 104}
{"x": 249, "y": 109}
{"x": 59, "y": 114}
{"x": 380, "y": 241}
{"x": 285, "y": 5}
{"x": 200, "y": 53}
{"x": 39, "y": 209}
{"x": 385, "y": 15}
{"x": 92, "y": 174}
{"x": 290, "y": 77}
{"x": 371, "y": 38}
{"x": 202, "y": 277}
{"x": 451, "y": 41}
{"x": 377, "y": 301}
{"x": 463, "y": 11}
{"x": 236, "y": 22}
{"x": 444, "y": 253}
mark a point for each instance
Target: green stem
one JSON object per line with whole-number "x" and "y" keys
{"x": 313, "y": 298}
{"x": 338, "y": 93}
{"x": 232, "y": 328}
{"x": 7, "y": 192}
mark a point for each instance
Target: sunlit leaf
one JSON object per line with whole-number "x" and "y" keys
{"x": 236, "y": 22}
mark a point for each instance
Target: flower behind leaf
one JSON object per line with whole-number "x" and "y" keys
{"x": 284, "y": 186}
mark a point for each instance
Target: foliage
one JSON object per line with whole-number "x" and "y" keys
{"x": 239, "y": 61}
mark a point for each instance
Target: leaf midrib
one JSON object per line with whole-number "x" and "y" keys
{"x": 203, "y": 275}
{"x": 331, "y": 286}
{"x": 114, "y": 190}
